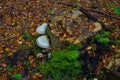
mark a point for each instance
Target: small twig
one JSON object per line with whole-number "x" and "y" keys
{"x": 7, "y": 38}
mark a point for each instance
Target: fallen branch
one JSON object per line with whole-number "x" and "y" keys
{"x": 104, "y": 13}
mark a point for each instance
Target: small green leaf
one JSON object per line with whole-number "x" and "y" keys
{"x": 17, "y": 76}
{"x": 10, "y": 68}
{"x": 117, "y": 11}
{"x": 29, "y": 36}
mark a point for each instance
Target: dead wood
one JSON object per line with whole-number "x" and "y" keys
{"x": 89, "y": 15}
{"x": 105, "y": 14}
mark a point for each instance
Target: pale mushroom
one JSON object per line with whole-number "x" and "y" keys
{"x": 43, "y": 41}
{"x": 42, "y": 28}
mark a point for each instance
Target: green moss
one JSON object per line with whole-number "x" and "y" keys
{"x": 62, "y": 65}
{"x": 74, "y": 47}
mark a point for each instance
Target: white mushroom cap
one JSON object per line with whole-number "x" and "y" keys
{"x": 40, "y": 55}
{"x": 43, "y": 41}
{"x": 42, "y": 28}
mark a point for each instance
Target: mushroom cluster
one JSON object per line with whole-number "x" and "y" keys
{"x": 42, "y": 41}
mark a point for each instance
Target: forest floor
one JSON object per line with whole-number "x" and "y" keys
{"x": 19, "y": 20}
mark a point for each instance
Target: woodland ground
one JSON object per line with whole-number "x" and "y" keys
{"x": 19, "y": 20}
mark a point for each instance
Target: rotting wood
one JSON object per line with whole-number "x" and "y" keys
{"x": 89, "y": 15}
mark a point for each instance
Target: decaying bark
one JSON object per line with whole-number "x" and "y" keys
{"x": 54, "y": 40}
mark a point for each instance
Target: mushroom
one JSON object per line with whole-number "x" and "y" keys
{"x": 43, "y": 41}
{"x": 42, "y": 28}
{"x": 40, "y": 55}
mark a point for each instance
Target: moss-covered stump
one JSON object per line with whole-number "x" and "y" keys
{"x": 70, "y": 27}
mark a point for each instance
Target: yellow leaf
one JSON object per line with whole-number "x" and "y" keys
{"x": 7, "y": 49}
{"x": 10, "y": 54}
{"x": 1, "y": 51}
{"x": 32, "y": 23}
{"x": 113, "y": 46}
{"x": 44, "y": 19}
{"x": 19, "y": 42}
{"x": 64, "y": 36}
{"x": 34, "y": 33}
{"x": 76, "y": 41}
{"x": 89, "y": 47}
{"x": 3, "y": 65}
{"x": 13, "y": 23}
{"x": 13, "y": 51}
{"x": 70, "y": 39}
